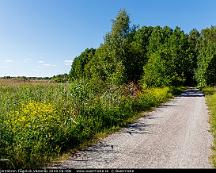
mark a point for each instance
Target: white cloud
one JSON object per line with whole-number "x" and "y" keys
{"x": 49, "y": 65}
{"x": 40, "y": 61}
{"x": 8, "y": 60}
{"x": 68, "y": 62}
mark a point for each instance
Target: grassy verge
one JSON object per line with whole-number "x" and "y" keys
{"x": 159, "y": 95}
{"x": 41, "y": 121}
{"x": 210, "y": 93}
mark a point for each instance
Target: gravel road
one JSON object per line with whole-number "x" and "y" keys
{"x": 175, "y": 135}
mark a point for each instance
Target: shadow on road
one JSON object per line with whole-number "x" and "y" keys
{"x": 102, "y": 151}
{"x": 137, "y": 128}
{"x": 192, "y": 92}
{"x": 96, "y": 154}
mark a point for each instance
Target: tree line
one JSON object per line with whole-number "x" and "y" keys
{"x": 150, "y": 56}
{"x": 25, "y": 78}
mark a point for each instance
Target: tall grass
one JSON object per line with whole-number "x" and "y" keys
{"x": 211, "y": 102}
{"x": 39, "y": 121}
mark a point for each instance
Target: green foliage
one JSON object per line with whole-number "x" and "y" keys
{"x": 151, "y": 56}
{"x": 137, "y": 53}
{"x": 80, "y": 63}
{"x": 61, "y": 78}
{"x": 211, "y": 72}
{"x": 33, "y": 118}
{"x": 108, "y": 62}
{"x": 167, "y": 60}
{"x": 112, "y": 55}
{"x": 208, "y": 90}
{"x": 192, "y": 53}
{"x": 155, "y": 72}
{"x": 205, "y": 73}
{"x": 38, "y": 121}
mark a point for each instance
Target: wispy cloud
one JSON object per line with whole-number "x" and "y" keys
{"x": 68, "y": 62}
{"x": 8, "y": 60}
{"x": 40, "y": 61}
{"x": 49, "y": 65}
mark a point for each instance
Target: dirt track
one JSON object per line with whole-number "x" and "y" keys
{"x": 175, "y": 135}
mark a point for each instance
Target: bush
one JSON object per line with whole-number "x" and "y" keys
{"x": 38, "y": 122}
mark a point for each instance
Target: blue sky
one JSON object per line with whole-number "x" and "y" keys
{"x": 42, "y": 37}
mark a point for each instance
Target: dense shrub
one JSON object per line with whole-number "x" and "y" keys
{"x": 40, "y": 121}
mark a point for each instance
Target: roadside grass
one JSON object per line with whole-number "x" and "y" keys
{"x": 170, "y": 93}
{"x": 210, "y": 93}
{"x": 39, "y": 122}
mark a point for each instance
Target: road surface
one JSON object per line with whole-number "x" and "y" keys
{"x": 175, "y": 135}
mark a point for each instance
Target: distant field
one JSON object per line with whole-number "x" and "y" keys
{"x": 12, "y": 81}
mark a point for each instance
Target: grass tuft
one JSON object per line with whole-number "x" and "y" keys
{"x": 210, "y": 93}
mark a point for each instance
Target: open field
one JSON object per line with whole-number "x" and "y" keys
{"x": 41, "y": 120}
{"x": 21, "y": 81}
